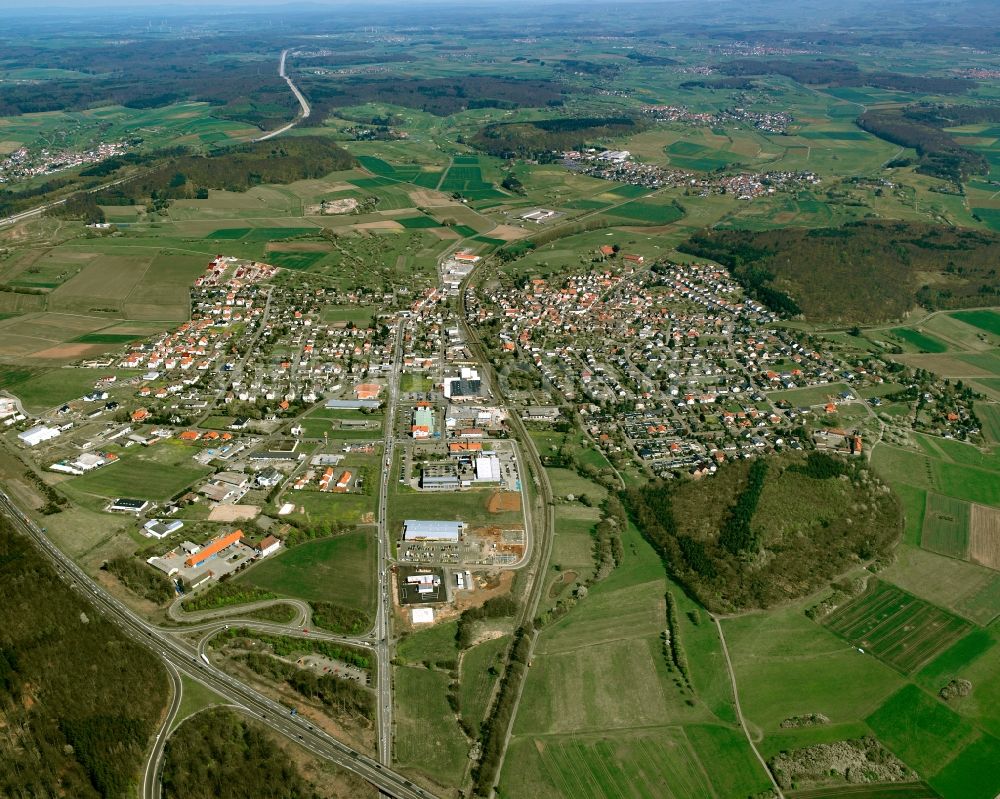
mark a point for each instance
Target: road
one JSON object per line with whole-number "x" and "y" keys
{"x": 154, "y": 765}
{"x": 303, "y": 103}
{"x": 185, "y": 660}
{"x": 383, "y": 615}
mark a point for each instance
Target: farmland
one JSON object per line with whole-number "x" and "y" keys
{"x": 896, "y": 627}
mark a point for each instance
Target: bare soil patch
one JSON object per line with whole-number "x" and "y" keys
{"x": 233, "y": 513}
{"x": 298, "y": 246}
{"x": 430, "y": 197}
{"x": 984, "y": 536}
{"x": 71, "y": 352}
{"x": 383, "y": 224}
{"x": 504, "y": 502}
{"x": 507, "y": 233}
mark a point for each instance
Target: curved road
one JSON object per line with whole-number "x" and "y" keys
{"x": 183, "y": 658}
{"x": 303, "y": 103}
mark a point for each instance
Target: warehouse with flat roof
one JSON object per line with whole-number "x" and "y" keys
{"x": 431, "y": 530}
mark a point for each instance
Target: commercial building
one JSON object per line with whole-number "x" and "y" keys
{"x": 488, "y": 469}
{"x": 213, "y": 548}
{"x": 160, "y": 528}
{"x": 126, "y": 505}
{"x": 431, "y": 530}
{"x": 423, "y": 425}
{"x": 36, "y": 435}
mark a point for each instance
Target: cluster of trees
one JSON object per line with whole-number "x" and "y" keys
{"x": 539, "y": 138}
{"x": 284, "y": 647}
{"x": 938, "y": 153}
{"x": 837, "y": 72}
{"x": 676, "y": 656}
{"x": 339, "y": 619}
{"x": 864, "y": 272}
{"x": 218, "y": 755}
{"x": 497, "y": 607}
{"x": 226, "y": 594}
{"x": 344, "y": 696}
{"x": 78, "y": 698}
{"x": 235, "y": 169}
{"x": 438, "y": 96}
{"x": 140, "y": 578}
{"x": 494, "y": 727}
{"x": 731, "y": 83}
{"x": 736, "y": 534}
{"x": 608, "y": 551}
{"x": 647, "y": 60}
{"x": 787, "y": 560}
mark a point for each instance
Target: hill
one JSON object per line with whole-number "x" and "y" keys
{"x": 78, "y": 700}
{"x": 764, "y": 532}
{"x": 863, "y": 272}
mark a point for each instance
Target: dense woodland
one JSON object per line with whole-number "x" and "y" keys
{"x": 760, "y": 532}
{"x": 235, "y": 169}
{"x": 79, "y": 701}
{"x": 151, "y": 72}
{"x": 438, "y": 96}
{"x": 539, "y": 138}
{"x": 219, "y": 755}
{"x": 837, "y": 72}
{"x": 920, "y": 128}
{"x": 863, "y": 272}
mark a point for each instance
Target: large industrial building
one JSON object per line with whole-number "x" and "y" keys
{"x": 431, "y": 530}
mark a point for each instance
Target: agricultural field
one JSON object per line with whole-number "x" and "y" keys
{"x": 478, "y": 678}
{"x": 946, "y": 526}
{"x": 339, "y": 570}
{"x": 896, "y": 627}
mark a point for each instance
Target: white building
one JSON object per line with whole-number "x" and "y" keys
{"x": 161, "y": 528}
{"x": 488, "y": 469}
{"x": 431, "y": 530}
{"x": 36, "y": 435}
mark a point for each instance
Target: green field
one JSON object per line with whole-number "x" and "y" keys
{"x": 921, "y": 341}
{"x": 984, "y": 320}
{"x": 479, "y": 673}
{"x": 946, "y": 526}
{"x": 136, "y": 477}
{"x": 428, "y": 740}
{"x": 896, "y": 627}
{"x": 338, "y": 570}
{"x": 430, "y": 644}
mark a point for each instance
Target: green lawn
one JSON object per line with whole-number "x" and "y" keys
{"x": 432, "y": 643}
{"x": 477, "y": 679}
{"x": 338, "y": 570}
{"x": 428, "y": 741}
{"x": 136, "y": 477}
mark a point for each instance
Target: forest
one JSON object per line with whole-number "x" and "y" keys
{"x": 938, "y": 153}
{"x": 837, "y": 72}
{"x": 78, "y": 699}
{"x": 438, "y": 96}
{"x": 235, "y": 169}
{"x": 538, "y": 138}
{"x": 863, "y": 272}
{"x": 218, "y": 755}
{"x": 149, "y": 73}
{"x": 758, "y": 534}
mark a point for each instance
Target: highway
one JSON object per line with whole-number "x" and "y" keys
{"x": 383, "y": 612}
{"x": 303, "y": 103}
{"x": 184, "y": 659}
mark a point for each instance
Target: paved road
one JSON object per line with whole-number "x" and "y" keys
{"x": 303, "y": 103}
{"x": 383, "y": 613}
{"x": 184, "y": 659}
{"x": 154, "y": 765}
